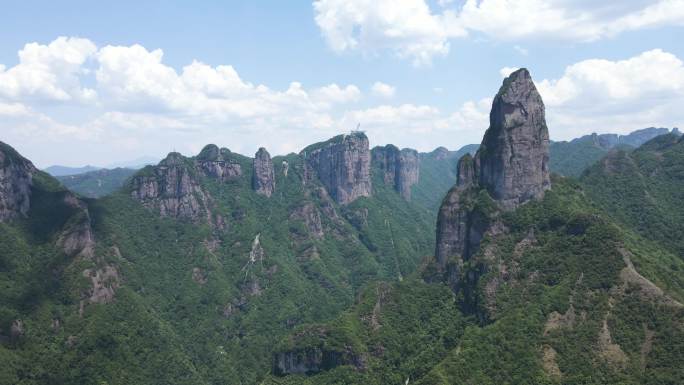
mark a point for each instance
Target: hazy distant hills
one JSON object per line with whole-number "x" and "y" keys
{"x": 573, "y": 157}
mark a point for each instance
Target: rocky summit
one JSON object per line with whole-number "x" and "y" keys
{"x": 400, "y": 168}
{"x": 511, "y": 165}
{"x": 16, "y": 175}
{"x": 263, "y": 177}
{"x": 513, "y": 160}
{"x": 342, "y": 165}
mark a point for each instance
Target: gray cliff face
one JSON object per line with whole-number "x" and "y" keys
{"x": 215, "y": 163}
{"x": 314, "y": 360}
{"x": 343, "y": 166}
{"x": 16, "y": 179}
{"x": 511, "y": 165}
{"x": 308, "y": 214}
{"x": 263, "y": 177}
{"x": 400, "y": 168}
{"x": 172, "y": 188}
{"x": 513, "y": 159}
{"x": 77, "y": 238}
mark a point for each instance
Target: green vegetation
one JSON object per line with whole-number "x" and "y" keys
{"x": 96, "y": 184}
{"x": 539, "y": 309}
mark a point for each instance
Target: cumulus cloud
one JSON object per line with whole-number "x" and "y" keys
{"x": 603, "y": 95}
{"x": 137, "y": 104}
{"x": 49, "y": 72}
{"x": 383, "y": 90}
{"x": 411, "y": 29}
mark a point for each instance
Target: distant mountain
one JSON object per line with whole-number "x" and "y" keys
{"x": 57, "y": 170}
{"x": 136, "y": 163}
{"x": 531, "y": 282}
{"x": 573, "y": 157}
{"x": 98, "y": 183}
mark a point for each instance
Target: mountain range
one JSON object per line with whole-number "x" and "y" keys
{"x": 343, "y": 264}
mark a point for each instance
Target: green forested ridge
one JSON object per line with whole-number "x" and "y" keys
{"x": 97, "y": 183}
{"x": 560, "y": 273}
{"x": 573, "y": 157}
{"x": 189, "y": 307}
{"x": 186, "y": 293}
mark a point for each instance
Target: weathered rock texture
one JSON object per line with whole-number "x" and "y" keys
{"x": 511, "y": 165}
{"x": 342, "y": 164}
{"x": 215, "y": 163}
{"x": 172, "y": 188}
{"x": 313, "y": 360}
{"x": 400, "y": 168}
{"x": 513, "y": 160}
{"x": 263, "y": 177}
{"x": 76, "y": 239}
{"x": 308, "y": 214}
{"x": 16, "y": 179}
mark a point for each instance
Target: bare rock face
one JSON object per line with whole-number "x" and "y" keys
{"x": 400, "y": 168}
{"x": 215, "y": 163}
{"x": 16, "y": 179}
{"x": 511, "y": 166}
{"x": 172, "y": 188}
{"x": 76, "y": 239}
{"x": 104, "y": 282}
{"x": 342, "y": 164}
{"x": 263, "y": 177}
{"x": 513, "y": 159}
{"x": 308, "y": 214}
{"x": 313, "y": 360}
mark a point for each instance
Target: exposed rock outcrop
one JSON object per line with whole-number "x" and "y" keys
{"x": 511, "y": 165}
{"x": 513, "y": 160}
{"x": 172, "y": 188}
{"x": 104, "y": 283}
{"x": 215, "y": 163}
{"x": 313, "y": 360}
{"x": 308, "y": 214}
{"x": 77, "y": 238}
{"x": 342, "y": 164}
{"x": 16, "y": 179}
{"x": 263, "y": 177}
{"x": 400, "y": 168}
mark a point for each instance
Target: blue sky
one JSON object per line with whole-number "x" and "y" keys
{"x": 285, "y": 74}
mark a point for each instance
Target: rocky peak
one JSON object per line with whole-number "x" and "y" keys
{"x": 440, "y": 153}
{"x": 16, "y": 179}
{"x": 511, "y": 165}
{"x": 171, "y": 187}
{"x": 342, "y": 164}
{"x": 215, "y": 163}
{"x": 465, "y": 171}
{"x": 400, "y": 168}
{"x": 513, "y": 159}
{"x": 263, "y": 176}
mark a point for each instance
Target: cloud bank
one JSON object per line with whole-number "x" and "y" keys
{"x": 77, "y": 102}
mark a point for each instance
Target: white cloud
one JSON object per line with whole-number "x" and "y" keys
{"x": 603, "y": 95}
{"x": 49, "y": 72}
{"x": 412, "y": 30}
{"x": 383, "y": 90}
{"x": 408, "y": 28}
{"x": 144, "y": 106}
{"x": 336, "y": 94}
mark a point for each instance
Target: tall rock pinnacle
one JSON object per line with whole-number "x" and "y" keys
{"x": 512, "y": 165}
{"x": 342, "y": 164}
{"x": 16, "y": 175}
{"x": 400, "y": 168}
{"x": 263, "y": 177}
{"x": 513, "y": 159}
